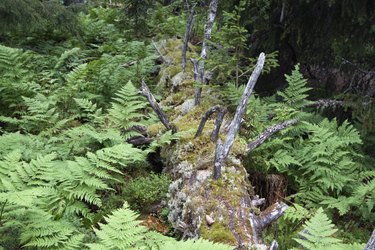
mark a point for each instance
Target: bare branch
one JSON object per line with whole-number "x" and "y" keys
{"x": 221, "y": 157}
{"x": 256, "y": 201}
{"x": 219, "y": 120}
{"x": 160, "y": 54}
{"x": 258, "y": 223}
{"x": 155, "y": 106}
{"x": 199, "y": 78}
{"x": 268, "y": 133}
{"x": 217, "y": 164}
{"x": 324, "y": 103}
{"x": 199, "y": 66}
{"x": 189, "y": 25}
{"x": 371, "y": 242}
{"x": 212, "y": 9}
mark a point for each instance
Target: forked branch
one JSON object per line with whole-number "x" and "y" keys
{"x": 155, "y": 106}
{"x": 223, "y": 150}
{"x": 160, "y": 54}
{"x": 219, "y": 120}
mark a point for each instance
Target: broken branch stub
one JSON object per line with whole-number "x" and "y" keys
{"x": 259, "y": 222}
{"x": 155, "y": 106}
{"x": 268, "y": 133}
{"x": 222, "y": 155}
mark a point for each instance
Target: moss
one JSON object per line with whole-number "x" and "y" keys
{"x": 155, "y": 129}
{"x": 218, "y": 232}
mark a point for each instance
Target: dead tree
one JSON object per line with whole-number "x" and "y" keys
{"x": 199, "y": 64}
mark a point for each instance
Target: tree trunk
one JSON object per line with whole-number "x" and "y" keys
{"x": 225, "y": 210}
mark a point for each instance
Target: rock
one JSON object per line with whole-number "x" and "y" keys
{"x": 209, "y": 220}
{"x": 186, "y": 106}
{"x": 178, "y": 80}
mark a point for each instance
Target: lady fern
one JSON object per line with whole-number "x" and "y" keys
{"x": 318, "y": 234}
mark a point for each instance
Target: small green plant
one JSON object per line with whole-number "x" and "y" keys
{"x": 142, "y": 192}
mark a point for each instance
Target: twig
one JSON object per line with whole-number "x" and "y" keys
{"x": 222, "y": 155}
{"x": 155, "y": 106}
{"x": 268, "y": 133}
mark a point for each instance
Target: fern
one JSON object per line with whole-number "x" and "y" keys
{"x": 126, "y": 111}
{"x": 318, "y": 234}
{"x": 296, "y": 93}
{"x": 123, "y": 231}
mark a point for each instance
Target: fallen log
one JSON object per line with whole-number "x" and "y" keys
{"x": 222, "y": 210}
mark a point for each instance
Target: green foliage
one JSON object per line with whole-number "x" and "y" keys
{"x": 144, "y": 191}
{"x": 123, "y": 231}
{"x": 296, "y": 93}
{"x": 318, "y": 234}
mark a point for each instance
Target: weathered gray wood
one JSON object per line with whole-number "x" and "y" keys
{"x": 199, "y": 79}
{"x": 221, "y": 157}
{"x": 212, "y": 9}
{"x": 189, "y": 25}
{"x": 219, "y": 120}
{"x": 155, "y": 106}
{"x": 199, "y": 65}
{"x": 371, "y": 242}
{"x": 274, "y": 245}
{"x": 268, "y": 133}
{"x": 259, "y": 222}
